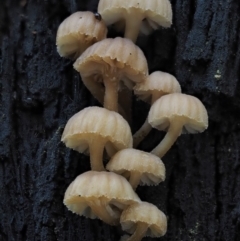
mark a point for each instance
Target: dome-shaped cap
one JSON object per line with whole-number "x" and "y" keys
{"x": 117, "y": 57}
{"x": 97, "y": 193}
{"x": 149, "y": 166}
{"x": 179, "y": 107}
{"x": 157, "y": 84}
{"x": 97, "y": 121}
{"x": 147, "y": 215}
{"x": 155, "y": 12}
{"x": 77, "y": 32}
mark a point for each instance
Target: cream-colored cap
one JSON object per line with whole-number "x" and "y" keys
{"x": 156, "y": 85}
{"x": 179, "y": 107}
{"x": 107, "y": 63}
{"x": 152, "y": 13}
{"x": 150, "y": 167}
{"x": 100, "y": 194}
{"x": 118, "y": 57}
{"x": 148, "y": 216}
{"x": 77, "y": 32}
{"x": 93, "y": 122}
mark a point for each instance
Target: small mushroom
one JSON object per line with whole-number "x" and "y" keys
{"x": 138, "y": 167}
{"x": 100, "y": 194}
{"x": 143, "y": 219}
{"x": 79, "y": 31}
{"x": 93, "y": 129}
{"x": 137, "y": 14}
{"x": 177, "y": 113}
{"x": 156, "y": 85}
{"x": 107, "y": 63}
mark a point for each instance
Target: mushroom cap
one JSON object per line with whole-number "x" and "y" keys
{"x": 159, "y": 83}
{"x": 116, "y": 58}
{"x": 131, "y": 160}
{"x": 154, "y": 13}
{"x": 145, "y": 213}
{"x": 92, "y": 121}
{"x": 77, "y": 32}
{"x": 179, "y": 107}
{"x": 106, "y": 187}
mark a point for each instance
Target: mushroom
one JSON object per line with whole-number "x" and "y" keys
{"x": 137, "y": 14}
{"x": 108, "y": 62}
{"x": 154, "y": 87}
{"x": 100, "y": 194}
{"x": 143, "y": 219}
{"x": 139, "y": 167}
{"x": 95, "y": 128}
{"x": 177, "y": 113}
{"x": 79, "y": 31}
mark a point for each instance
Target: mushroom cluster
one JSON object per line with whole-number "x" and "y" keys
{"x": 112, "y": 69}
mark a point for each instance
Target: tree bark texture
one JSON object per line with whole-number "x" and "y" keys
{"x": 40, "y": 91}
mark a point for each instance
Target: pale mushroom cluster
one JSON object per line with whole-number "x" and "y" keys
{"x": 112, "y": 69}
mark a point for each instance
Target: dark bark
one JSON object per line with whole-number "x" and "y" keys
{"x": 40, "y": 91}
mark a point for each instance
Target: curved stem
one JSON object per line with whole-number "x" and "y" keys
{"x": 94, "y": 87}
{"x": 134, "y": 180}
{"x": 132, "y": 27}
{"x": 111, "y": 94}
{"x": 96, "y": 147}
{"x": 139, "y": 232}
{"x": 174, "y": 131}
{"x": 141, "y": 133}
{"x": 125, "y": 100}
{"x": 100, "y": 211}
{"x": 156, "y": 95}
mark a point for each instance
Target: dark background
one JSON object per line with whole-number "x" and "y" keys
{"x": 39, "y": 92}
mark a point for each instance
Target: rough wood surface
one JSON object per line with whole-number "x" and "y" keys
{"x": 39, "y": 92}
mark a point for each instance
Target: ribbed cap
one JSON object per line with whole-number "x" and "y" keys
{"x": 92, "y": 121}
{"x": 92, "y": 186}
{"x": 179, "y": 107}
{"x": 158, "y": 83}
{"x": 131, "y": 160}
{"x": 77, "y": 32}
{"x": 145, "y": 213}
{"x": 157, "y": 12}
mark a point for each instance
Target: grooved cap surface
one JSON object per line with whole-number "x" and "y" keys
{"x": 159, "y": 83}
{"x": 179, "y": 107}
{"x": 146, "y": 213}
{"x": 77, "y": 32}
{"x": 131, "y": 160}
{"x": 92, "y": 121}
{"x": 117, "y": 58}
{"x": 155, "y": 12}
{"x": 106, "y": 187}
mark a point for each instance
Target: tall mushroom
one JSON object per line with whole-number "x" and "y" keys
{"x": 100, "y": 194}
{"x": 79, "y": 31}
{"x": 107, "y": 63}
{"x": 137, "y": 15}
{"x": 143, "y": 219}
{"x": 177, "y": 113}
{"x": 156, "y": 85}
{"x": 138, "y": 167}
{"x": 93, "y": 129}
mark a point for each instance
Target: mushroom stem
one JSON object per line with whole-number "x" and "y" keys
{"x": 111, "y": 94}
{"x": 141, "y": 133}
{"x": 139, "y": 232}
{"x": 132, "y": 28}
{"x": 100, "y": 211}
{"x": 155, "y": 96}
{"x": 96, "y": 147}
{"x": 125, "y": 100}
{"x": 135, "y": 179}
{"x": 174, "y": 131}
